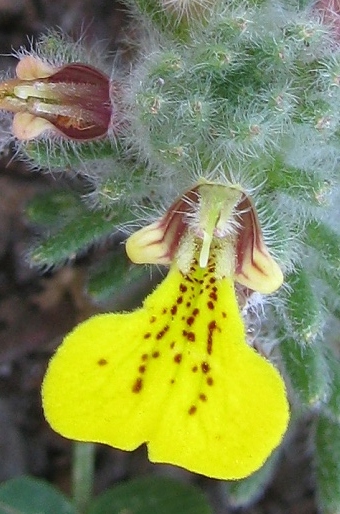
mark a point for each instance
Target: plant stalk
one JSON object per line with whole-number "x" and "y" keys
{"x": 82, "y": 475}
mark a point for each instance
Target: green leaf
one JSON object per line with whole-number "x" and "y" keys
{"x": 331, "y": 277}
{"x": 26, "y": 495}
{"x": 308, "y": 370}
{"x": 327, "y": 465}
{"x": 303, "y": 307}
{"x": 300, "y": 184}
{"x": 77, "y": 235}
{"x": 302, "y": 4}
{"x": 241, "y": 493}
{"x": 112, "y": 275}
{"x": 332, "y": 406}
{"x": 151, "y": 495}
{"x": 326, "y": 242}
{"x": 321, "y": 237}
{"x": 52, "y": 207}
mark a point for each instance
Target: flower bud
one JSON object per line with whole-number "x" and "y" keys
{"x": 72, "y": 100}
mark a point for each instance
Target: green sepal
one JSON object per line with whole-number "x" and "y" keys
{"x": 54, "y": 43}
{"x": 307, "y": 370}
{"x": 77, "y": 234}
{"x": 55, "y": 154}
{"x": 241, "y": 493}
{"x": 303, "y": 307}
{"x": 327, "y": 464}
{"x": 112, "y": 275}
{"x": 27, "y": 495}
{"x": 165, "y": 22}
{"x": 151, "y": 495}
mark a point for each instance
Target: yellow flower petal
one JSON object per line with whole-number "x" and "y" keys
{"x": 176, "y": 374}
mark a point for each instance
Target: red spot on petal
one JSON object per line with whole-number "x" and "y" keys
{"x": 183, "y": 288}
{"x": 147, "y": 335}
{"x": 137, "y": 386}
{"x": 155, "y": 355}
{"x": 192, "y": 410}
{"x": 210, "y": 343}
{"x": 173, "y": 310}
{"x": 178, "y": 358}
{"x": 162, "y": 332}
{"x": 205, "y": 367}
{"x": 210, "y": 305}
{"x": 211, "y": 327}
{"x": 102, "y": 362}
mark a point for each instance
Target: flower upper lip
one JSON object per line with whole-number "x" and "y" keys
{"x": 207, "y": 216}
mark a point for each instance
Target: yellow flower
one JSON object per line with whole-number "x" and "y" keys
{"x": 176, "y": 374}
